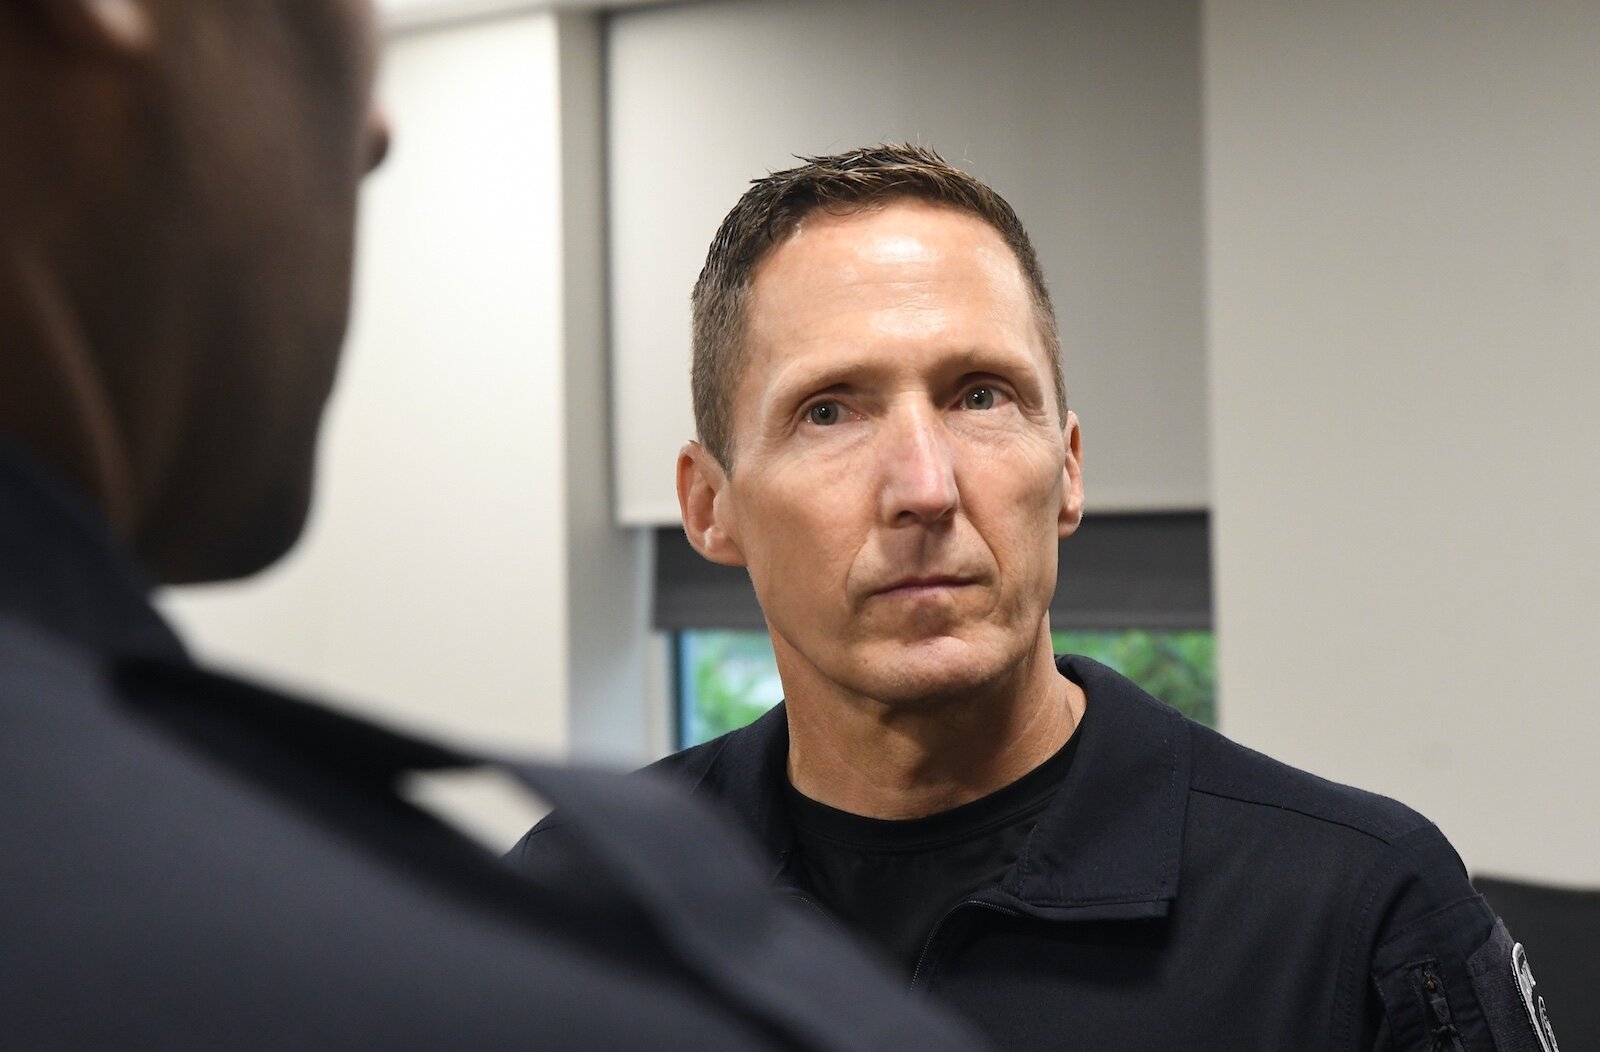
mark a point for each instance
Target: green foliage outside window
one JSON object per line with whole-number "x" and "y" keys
{"x": 727, "y": 679}
{"x": 1177, "y": 667}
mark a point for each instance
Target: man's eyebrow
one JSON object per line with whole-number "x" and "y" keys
{"x": 799, "y": 382}
{"x": 970, "y": 357}
{"x": 987, "y": 359}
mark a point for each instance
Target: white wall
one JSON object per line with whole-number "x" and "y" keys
{"x": 435, "y": 586}
{"x": 1404, "y": 263}
{"x": 1084, "y": 114}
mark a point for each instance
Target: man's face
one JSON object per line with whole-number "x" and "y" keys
{"x": 271, "y": 127}
{"x": 900, "y": 472}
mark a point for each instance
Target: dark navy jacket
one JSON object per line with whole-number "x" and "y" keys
{"x": 1183, "y": 892}
{"x": 188, "y": 861}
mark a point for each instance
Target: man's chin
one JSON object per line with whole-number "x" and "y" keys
{"x": 931, "y": 671}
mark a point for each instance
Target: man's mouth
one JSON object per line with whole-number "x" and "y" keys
{"x": 923, "y": 584}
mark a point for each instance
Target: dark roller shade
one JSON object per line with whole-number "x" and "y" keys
{"x": 1117, "y": 571}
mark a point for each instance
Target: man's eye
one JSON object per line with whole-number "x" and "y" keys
{"x": 979, "y": 398}
{"x": 824, "y": 413}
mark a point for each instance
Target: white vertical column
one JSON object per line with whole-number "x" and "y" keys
{"x": 616, "y": 711}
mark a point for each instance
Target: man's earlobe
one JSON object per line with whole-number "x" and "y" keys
{"x": 108, "y": 27}
{"x": 702, "y": 485}
{"x": 1071, "y": 478}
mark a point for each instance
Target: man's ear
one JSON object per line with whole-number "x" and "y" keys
{"x": 106, "y": 27}
{"x": 702, "y": 487}
{"x": 1072, "y": 479}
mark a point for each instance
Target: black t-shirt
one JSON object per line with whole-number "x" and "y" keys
{"x": 890, "y": 881}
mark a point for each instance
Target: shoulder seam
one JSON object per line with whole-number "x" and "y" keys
{"x": 1334, "y": 818}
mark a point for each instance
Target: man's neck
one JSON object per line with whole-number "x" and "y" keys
{"x": 913, "y": 759}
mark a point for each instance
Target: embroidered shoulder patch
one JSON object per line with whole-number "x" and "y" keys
{"x": 1532, "y": 1003}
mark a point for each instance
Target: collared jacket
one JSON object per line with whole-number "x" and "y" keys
{"x": 1182, "y": 892}
{"x": 192, "y": 861}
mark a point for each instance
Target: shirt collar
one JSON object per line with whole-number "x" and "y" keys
{"x": 1111, "y": 842}
{"x": 748, "y": 774}
{"x": 1107, "y": 847}
{"x": 63, "y": 569}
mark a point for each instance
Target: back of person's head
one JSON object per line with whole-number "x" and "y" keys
{"x": 177, "y": 194}
{"x": 774, "y": 208}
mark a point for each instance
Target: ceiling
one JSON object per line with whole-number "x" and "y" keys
{"x": 399, "y": 14}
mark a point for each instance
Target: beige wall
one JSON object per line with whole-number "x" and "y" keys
{"x": 1404, "y": 262}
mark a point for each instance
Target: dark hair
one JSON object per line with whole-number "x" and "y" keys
{"x": 840, "y": 184}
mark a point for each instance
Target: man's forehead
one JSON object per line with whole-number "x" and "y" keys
{"x": 895, "y": 270}
{"x": 901, "y": 231}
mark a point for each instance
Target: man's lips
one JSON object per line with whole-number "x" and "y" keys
{"x": 927, "y": 584}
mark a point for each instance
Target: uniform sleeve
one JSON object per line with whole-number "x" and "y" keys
{"x": 1449, "y": 976}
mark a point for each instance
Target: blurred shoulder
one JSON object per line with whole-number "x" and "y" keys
{"x": 700, "y": 769}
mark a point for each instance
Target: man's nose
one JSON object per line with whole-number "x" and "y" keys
{"x": 919, "y": 478}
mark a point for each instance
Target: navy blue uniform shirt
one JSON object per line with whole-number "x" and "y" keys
{"x": 1183, "y": 892}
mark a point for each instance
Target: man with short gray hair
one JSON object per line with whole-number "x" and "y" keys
{"x": 885, "y": 445}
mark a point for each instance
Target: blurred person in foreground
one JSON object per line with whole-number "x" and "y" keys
{"x": 885, "y": 444}
{"x": 193, "y": 861}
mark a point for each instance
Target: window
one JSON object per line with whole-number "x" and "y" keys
{"x": 1134, "y": 594}
{"x": 1177, "y": 667}
{"x": 725, "y": 680}
{"x": 728, "y": 678}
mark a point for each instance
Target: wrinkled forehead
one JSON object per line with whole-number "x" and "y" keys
{"x": 905, "y": 264}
